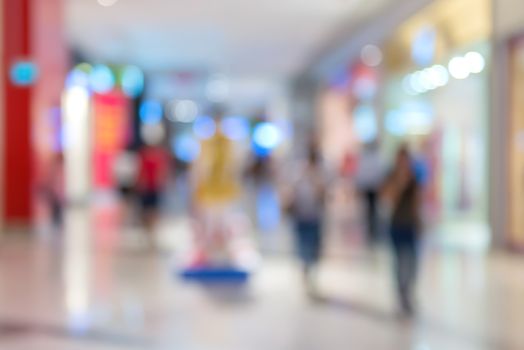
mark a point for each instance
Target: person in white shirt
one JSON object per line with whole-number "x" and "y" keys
{"x": 307, "y": 212}
{"x": 370, "y": 175}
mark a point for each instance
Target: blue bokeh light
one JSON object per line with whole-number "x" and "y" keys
{"x": 204, "y": 127}
{"x": 23, "y": 73}
{"x": 150, "y": 112}
{"x": 266, "y": 137}
{"x": 186, "y": 148}
{"x": 132, "y": 81}
{"x": 235, "y": 128}
{"x": 395, "y": 124}
{"x": 365, "y": 123}
{"x": 101, "y": 79}
{"x": 77, "y": 77}
{"x": 424, "y": 46}
{"x": 410, "y": 118}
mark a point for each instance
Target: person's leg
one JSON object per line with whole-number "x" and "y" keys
{"x": 316, "y": 250}
{"x": 372, "y": 216}
{"x": 307, "y": 251}
{"x": 397, "y": 266}
{"x": 56, "y": 212}
{"x": 411, "y": 270}
{"x": 149, "y": 215}
{"x": 402, "y": 269}
{"x": 405, "y": 277}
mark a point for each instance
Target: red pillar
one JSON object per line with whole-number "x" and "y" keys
{"x": 16, "y": 138}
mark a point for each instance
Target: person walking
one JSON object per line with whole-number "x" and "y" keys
{"x": 402, "y": 194}
{"x": 125, "y": 169}
{"x": 369, "y": 179}
{"x": 307, "y": 211}
{"x": 153, "y": 168}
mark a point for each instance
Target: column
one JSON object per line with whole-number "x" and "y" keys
{"x": 16, "y": 116}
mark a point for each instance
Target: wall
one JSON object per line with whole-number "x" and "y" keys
{"x": 2, "y": 194}
{"x": 508, "y": 15}
{"x": 507, "y": 23}
{"x": 17, "y": 174}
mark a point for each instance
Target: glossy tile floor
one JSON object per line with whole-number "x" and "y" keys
{"x": 96, "y": 286}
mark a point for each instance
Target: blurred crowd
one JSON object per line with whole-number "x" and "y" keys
{"x": 389, "y": 194}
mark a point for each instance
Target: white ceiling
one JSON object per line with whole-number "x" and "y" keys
{"x": 237, "y": 37}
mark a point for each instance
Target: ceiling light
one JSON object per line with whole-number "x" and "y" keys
{"x": 107, "y": 3}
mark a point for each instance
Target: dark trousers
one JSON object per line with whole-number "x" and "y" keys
{"x": 370, "y": 199}
{"x": 405, "y": 247}
{"x": 309, "y": 241}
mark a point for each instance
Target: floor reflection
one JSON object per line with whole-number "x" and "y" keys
{"x": 96, "y": 286}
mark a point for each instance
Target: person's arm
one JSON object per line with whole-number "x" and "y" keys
{"x": 419, "y": 207}
{"x": 386, "y": 190}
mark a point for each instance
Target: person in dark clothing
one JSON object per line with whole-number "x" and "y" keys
{"x": 53, "y": 189}
{"x": 402, "y": 193}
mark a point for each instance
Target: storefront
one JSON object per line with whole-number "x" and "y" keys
{"x": 436, "y": 99}
{"x": 96, "y": 125}
{"x": 515, "y": 145}
{"x": 347, "y": 113}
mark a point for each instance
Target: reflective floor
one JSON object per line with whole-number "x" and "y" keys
{"x": 98, "y": 286}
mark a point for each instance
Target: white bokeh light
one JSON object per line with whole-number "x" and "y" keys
{"x": 184, "y": 111}
{"x": 439, "y": 75}
{"x": 217, "y": 89}
{"x": 475, "y": 62}
{"x": 426, "y": 80}
{"x": 458, "y": 68}
{"x": 406, "y": 85}
{"x": 416, "y": 83}
{"x": 371, "y": 55}
{"x": 267, "y": 135}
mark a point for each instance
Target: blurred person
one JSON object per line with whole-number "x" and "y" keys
{"x": 401, "y": 193}
{"x": 347, "y": 209}
{"x": 153, "y": 168}
{"x": 307, "y": 210}
{"x": 265, "y": 198}
{"x": 369, "y": 179}
{"x": 53, "y": 189}
{"x": 125, "y": 170}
